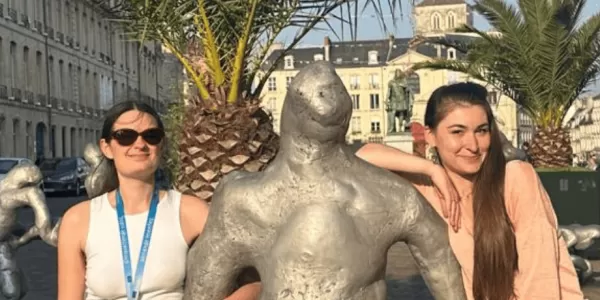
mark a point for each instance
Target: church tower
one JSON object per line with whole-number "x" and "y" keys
{"x": 434, "y": 17}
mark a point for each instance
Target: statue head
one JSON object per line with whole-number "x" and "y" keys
{"x": 23, "y": 174}
{"x": 317, "y": 104}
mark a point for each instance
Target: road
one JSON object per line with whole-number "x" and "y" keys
{"x": 38, "y": 262}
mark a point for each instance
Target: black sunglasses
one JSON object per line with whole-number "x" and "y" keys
{"x": 126, "y": 137}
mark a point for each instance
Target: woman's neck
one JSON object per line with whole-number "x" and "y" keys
{"x": 463, "y": 185}
{"x": 136, "y": 194}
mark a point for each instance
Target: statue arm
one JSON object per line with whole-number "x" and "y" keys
{"x": 216, "y": 259}
{"x": 426, "y": 235}
{"x": 34, "y": 198}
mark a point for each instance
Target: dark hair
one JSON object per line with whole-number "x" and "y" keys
{"x": 496, "y": 257}
{"x": 122, "y": 107}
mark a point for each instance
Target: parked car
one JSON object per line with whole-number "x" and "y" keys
{"x": 64, "y": 174}
{"x": 7, "y": 163}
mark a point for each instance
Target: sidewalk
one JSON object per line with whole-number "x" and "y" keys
{"x": 405, "y": 282}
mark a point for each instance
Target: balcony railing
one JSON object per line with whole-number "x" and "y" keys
{"x": 3, "y": 92}
{"x": 25, "y": 20}
{"x": 41, "y": 100}
{"x": 12, "y": 13}
{"x": 50, "y": 32}
{"x": 38, "y": 26}
{"x": 16, "y": 93}
{"x": 28, "y": 96}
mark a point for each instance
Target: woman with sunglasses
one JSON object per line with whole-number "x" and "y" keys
{"x": 131, "y": 242}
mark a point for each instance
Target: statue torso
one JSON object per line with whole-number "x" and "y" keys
{"x": 318, "y": 225}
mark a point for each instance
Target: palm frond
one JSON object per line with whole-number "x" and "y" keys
{"x": 542, "y": 56}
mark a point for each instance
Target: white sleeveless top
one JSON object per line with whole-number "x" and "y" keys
{"x": 164, "y": 273}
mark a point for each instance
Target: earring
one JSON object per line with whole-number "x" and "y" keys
{"x": 433, "y": 155}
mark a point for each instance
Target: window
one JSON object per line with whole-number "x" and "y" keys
{"x": 435, "y": 21}
{"x": 271, "y": 84}
{"x": 451, "y": 53}
{"x": 272, "y": 104}
{"x": 289, "y": 62}
{"x": 373, "y": 57}
{"x": 374, "y": 81}
{"x": 356, "y": 125}
{"x": 414, "y": 83}
{"x": 374, "y": 101}
{"x": 355, "y": 101}
{"x": 450, "y": 21}
{"x": 492, "y": 98}
{"x": 354, "y": 82}
{"x": 14, "y": 63}
{"x": 288, "y": 81}
{"x": 375, "y": 127}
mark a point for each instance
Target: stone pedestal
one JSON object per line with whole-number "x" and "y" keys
{"x": 400, "y": 140}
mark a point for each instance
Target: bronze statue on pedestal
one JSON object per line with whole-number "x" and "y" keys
{"x": 399, "y": 103}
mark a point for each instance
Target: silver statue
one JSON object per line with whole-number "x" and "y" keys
{"x": 511, "y": 152}
{"x": 318, "y": 221}
{"x": 20, "y": 188}
{"x": 579, "y": 238}
{"x": 102, "y": 177}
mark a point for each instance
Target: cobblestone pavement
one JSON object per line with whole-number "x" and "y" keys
{"x": 38, "y": 262}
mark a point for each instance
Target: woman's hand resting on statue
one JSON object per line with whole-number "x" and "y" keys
{"x": 448, "y": 195}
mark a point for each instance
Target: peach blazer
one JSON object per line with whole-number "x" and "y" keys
{"x": 545, "y": 268}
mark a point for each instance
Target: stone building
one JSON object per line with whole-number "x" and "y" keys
{"x": 62, "y": 64}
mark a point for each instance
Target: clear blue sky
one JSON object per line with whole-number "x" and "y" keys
{"x": 368, "y": 27}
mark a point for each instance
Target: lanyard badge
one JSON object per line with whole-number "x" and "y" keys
{"x": 132, "y": 285}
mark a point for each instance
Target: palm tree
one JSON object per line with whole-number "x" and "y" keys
{"x": 542, "y": 56}
{"x": 222, "y": 45}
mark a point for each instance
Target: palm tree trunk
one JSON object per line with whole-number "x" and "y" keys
{"x": 551, "y": 148}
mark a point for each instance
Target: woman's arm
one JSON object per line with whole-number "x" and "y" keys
{"x": 71, "y": 259}
{"x": 407, "y": 164}
{"x": 545, "y": 268}
{"x": 249, "y": 291}
{"x": 395, "y": 160}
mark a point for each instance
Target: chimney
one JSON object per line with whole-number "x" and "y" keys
{"x": 327, "y": 47}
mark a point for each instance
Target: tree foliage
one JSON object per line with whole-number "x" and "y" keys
{"x": 234, "y": 36}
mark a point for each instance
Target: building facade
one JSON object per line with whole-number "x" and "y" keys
{"x": 62, "y": 64}
{"x": 366, "y": 67}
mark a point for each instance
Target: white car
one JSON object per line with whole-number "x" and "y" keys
{"x": 7, "y": 163}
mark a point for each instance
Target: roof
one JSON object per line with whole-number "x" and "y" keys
{"x": 440, "y": 2}
{"x": 354, "y": 54}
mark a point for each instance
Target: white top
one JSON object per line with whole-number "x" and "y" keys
{"x": 164, "y": 273}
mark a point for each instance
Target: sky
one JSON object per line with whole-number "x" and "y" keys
{"x": 369, "y": 28}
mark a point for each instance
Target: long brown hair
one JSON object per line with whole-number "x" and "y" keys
{"x": 496, "y": 258}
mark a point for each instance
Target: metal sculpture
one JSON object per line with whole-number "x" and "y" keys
{"x": 102, "y": 177}
{"x": 318, "y": 221}
{"x": 580, "y": 238}
{"x": 20, "y": 188}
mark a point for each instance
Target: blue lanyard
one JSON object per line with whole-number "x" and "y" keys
{"x": 132, "y": 286}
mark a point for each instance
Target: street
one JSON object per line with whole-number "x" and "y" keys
{"x": 38, "y": 261}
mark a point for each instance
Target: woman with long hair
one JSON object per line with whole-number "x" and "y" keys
{"x": 131, "y": 242}
{"x": 504, "y": 231}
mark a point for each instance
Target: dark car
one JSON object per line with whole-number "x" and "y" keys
{"x": 64, "y": 174}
